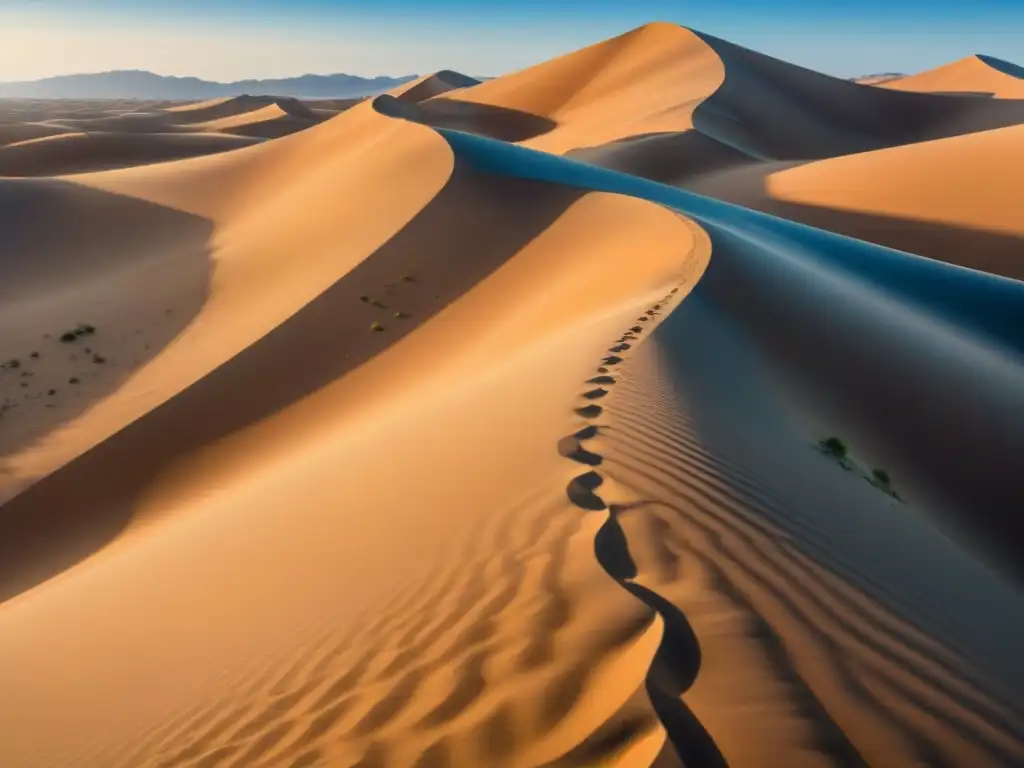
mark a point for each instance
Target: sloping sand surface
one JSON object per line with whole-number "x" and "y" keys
{"x": 268, "y": 122}
{"x": 979, "y": 76}
{"x": 436, "y": 84}
{"x": 666, "y": 102}
{"x": 967, "y": 213}
{"x": 215, "y": 260}
{"x": 526, "y": 541}
{"x": 434, "y": 434}
{"x": 13, "y": 133}
{"x": 68, "y": 153}
{"x": 643, "y": 82}
{"x": 217, "y": 109}
{"x": 258, "y": 116}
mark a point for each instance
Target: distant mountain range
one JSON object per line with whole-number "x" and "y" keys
{"x": 136, "y": 84}
{"x": 880, "y": 77}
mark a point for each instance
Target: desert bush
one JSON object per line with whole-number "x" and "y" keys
{"x": 834, "y": 447}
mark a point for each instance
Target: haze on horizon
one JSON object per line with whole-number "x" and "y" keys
{"x": 238, "y": 39}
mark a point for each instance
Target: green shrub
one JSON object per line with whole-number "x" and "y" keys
{"x": 881, "y": 477}
{"x": 834, "y": 447}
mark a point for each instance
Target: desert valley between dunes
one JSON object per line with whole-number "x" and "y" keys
{"x": 657, "y": 405}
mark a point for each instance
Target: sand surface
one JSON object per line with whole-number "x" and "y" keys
{"x": 452, "y": 428}
{"x": 977, "y": 76}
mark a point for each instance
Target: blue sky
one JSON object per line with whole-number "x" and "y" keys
{"x": 233, "y": 39}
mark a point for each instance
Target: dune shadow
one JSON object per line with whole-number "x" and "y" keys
{"x": 986, "y": 251}
{"x": 1000, "y": 65}
{"x": 965, "y": 94}
{"x": 131, "y": 273}
{"x": 825, "y": 116}
{"x": 86, "y": 503}
{"x": 494, "y": 122}
{"x": 664, "y": 157}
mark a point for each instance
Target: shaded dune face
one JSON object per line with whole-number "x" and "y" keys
{"x": 51, "y": 375}
{"x": 824, "y": 116}
{"x": 450, "y": 430}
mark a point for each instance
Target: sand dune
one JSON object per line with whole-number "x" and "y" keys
{"x": 540, "y": 330}
{"x": 268, "y": 122}
{"x": 683, "y": 103}
{"x": 216, "y": 109}
{"x": 13, "y": 133}
{"x": 81, "y": 152}
{"x": 979, "y": 76}
{"x": 436, "y": 84}
{"x": 645, "y": 81}
{"x": 438, "y": 434}
{"x": 967, "y": 214}
{"x": 255, "y": 116}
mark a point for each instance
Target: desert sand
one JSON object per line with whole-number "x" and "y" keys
{"x": 488, "y": 424}
{"x": 54, "y": 138}
{"x": 978, "y": 75}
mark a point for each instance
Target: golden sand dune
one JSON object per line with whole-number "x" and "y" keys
{"x": 67, "y": 153}
{"x": 380, "y": 445}
{"x": 980, "y": 76}
{"x": 968, "y": 214}
{"x": 643, "y": 82}
{"x": 667, "y": 101}
{"x": 517, "y": 292}
{"x": 268, "y": 122}
{"x": 148, "y": 117}
{"x": 217, "y": 109}
{"x": 436, "y": 84}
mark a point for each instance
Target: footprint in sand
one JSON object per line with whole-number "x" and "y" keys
{"x": 570, "y": 448}
{"x": 581, "y": 491}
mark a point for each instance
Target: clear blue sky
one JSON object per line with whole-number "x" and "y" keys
{"x": 233, "y": 39}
